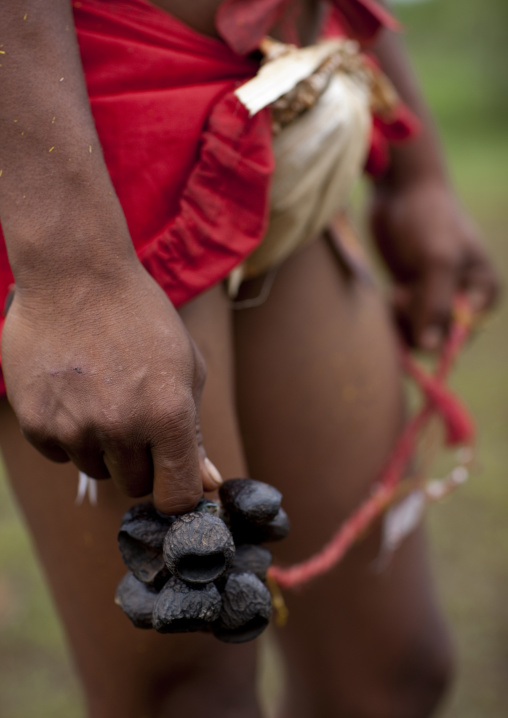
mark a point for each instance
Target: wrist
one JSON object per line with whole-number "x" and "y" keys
{"x": 80, "y": 233}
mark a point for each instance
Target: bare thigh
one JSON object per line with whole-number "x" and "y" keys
{"x": 320, "y": 407}
{"x": 126, "y": 671}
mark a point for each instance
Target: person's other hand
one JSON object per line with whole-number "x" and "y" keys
{"x": 433, "y": 251}
{"x": 103, "y": 373}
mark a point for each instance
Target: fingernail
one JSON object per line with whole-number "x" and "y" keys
{"x": 431, "y": 338}
{"x": 213, "y": 472}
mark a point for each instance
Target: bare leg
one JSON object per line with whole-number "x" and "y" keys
{"x": 320, "y": 407}
{"x": 125, "y": 671}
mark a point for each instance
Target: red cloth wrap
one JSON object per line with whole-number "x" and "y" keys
{"x": 190, "y": 168}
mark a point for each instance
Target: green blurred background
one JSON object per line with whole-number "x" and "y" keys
{"x": 459, "y": 50}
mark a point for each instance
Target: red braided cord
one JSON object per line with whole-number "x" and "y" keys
{"x": 438, "y": 400}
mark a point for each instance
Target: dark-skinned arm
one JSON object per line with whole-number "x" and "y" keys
{"x": 429, "y": 243}
{"x": 98, "y": 366}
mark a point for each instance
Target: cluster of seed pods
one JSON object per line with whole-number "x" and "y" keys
{"x": 204, "y": 570}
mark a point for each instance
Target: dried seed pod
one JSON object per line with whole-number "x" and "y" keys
{"x": 140, "y": 541}
{"x": 274, "y": 530}
{"x": 250, "y": 500}
{"x": 246, "y": 609}
{"x": 136, "y": 600}
{"x": 252, "y": 559}
{"x": 181, "y": 608}
{"x": 198, "y": 547}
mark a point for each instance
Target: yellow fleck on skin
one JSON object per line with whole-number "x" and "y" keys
{"x": 1, "y": 172}
{"x": 22, "y": 133}
{"x": 25, "y": 16}
{"x": 2, "y": 52}
{"x": 15, "y": 120}
{"x": 51, "y": 149}
{"x": 53, "y": 120}
{"x": 90, "y": 148}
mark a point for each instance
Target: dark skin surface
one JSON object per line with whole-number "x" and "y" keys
{"x": 277, "y": 403}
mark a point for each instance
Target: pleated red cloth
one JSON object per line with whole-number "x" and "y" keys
{"x": 191, "y": 169}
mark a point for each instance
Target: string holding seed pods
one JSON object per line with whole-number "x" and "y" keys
{"x": 204, "y": 570}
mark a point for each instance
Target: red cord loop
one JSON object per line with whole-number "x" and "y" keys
{"x": 439, "y": 400}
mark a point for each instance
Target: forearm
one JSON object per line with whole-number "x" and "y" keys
{"x": 422, "y": 157}
{"x": 57, "y": 205}
{"x": 427, "y": 241}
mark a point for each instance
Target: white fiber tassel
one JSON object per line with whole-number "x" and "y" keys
{"x": 86, "y": 486}
{"x": 399, "y": 522}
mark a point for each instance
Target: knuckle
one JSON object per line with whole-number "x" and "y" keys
{"x": 70, "y": 436}
{"x": 32, "y": 425}
{"x": 112, "y": 429}
{"x": 180, "y": 414}
{"x": 32, "y": 433}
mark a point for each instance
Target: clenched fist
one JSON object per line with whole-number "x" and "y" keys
{"x": 102, "y": 372}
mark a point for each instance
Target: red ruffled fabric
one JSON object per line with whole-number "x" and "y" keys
{"x": 191, "y": 169}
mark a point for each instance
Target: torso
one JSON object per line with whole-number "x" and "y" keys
{"x": 200, "y": 15}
